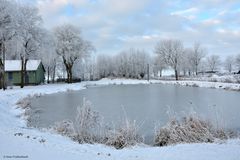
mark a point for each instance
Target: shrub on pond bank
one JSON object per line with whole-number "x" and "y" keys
{"x": 124, "y": 136}
{"x": 190, "y": 129}
{"x": 65, "y": 128}
{"x": 87, "y": 123}
{"x": 85, "y": 126}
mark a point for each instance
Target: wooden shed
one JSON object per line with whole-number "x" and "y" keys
{"x": 34, "y": 72}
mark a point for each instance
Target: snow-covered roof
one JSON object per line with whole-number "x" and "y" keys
{"x": 15, "y": 65}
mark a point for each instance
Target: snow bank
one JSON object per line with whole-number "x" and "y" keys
{"x": 18, "y": 141}
{"x": 219, "y": 85}
{"x": 225, "y": 78}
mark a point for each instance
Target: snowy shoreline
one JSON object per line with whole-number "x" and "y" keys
{"x": 15, "y": 134}
{"x": 195, "y": 83}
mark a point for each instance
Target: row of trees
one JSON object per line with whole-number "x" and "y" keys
{"x": 189, "y": 60}
{"x": 131, "y": 63}
{"x": 23, "y": 37}
{"x": 169, "y": 54}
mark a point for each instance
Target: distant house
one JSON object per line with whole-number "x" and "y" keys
{"x": 34, "y": 72}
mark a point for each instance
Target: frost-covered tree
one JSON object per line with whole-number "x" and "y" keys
{"x": 141, "y": 61}
{"x": 171, "y": 51}
{"x": 70, "y": 46}
{"x": 158, "y": 65}
{"x": 203, "y": 67}
{"x": 198, "y": 53}
{"x": 7, "y": 32}
{"x": 105, "y": 66}
{"x": 121, "y": 62}
{"x": 132, "y": 63}
{"x": 187, "y": 66}
{"x": 229, "y": 63}
{"x": 213, "y": 62}
{"x": 29, "y": 34}
{"x": 49, "y": 56}
{"x": 86, "y": 69}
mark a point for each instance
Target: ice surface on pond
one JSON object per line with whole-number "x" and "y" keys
{"x": 147, "y": 104}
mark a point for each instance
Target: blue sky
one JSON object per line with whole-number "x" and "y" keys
{"x": 114, "y": 25}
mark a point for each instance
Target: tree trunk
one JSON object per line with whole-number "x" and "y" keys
{"x": 48, "y": 74}
{"x": 53, "y": 75}
{"x": 196, "y": 70}
{"x": 2, "y": 66}
{"x": 25, "y": 70}
{"x": 70, "y": 74}
{"x": 68, "y": 66}
{"x": 1, "y": 76}
{"x": 22, "y": 73}
{"x": 176, "y": 74}
{"x": 184, "y": 72}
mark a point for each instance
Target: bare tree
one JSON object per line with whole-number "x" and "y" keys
{"x": 158, "y": 65}
{"x": 229, "y": 63}
{"x": 141, "y": 62}
{"x": 213, "y": 62}
{"x": 71, "y": 47}
{"x": 104, "y": 66}
{"x": 49, "y": 56}
{"x": 171, "y": 51}
{"x": 186, "y": 64}
{"x": 121, "y": 62}
{"x": 29, "y": 34}
{"x": 132, "y": 63}
{"x": 7, "y": 32}
{"x": 198, "y": 53}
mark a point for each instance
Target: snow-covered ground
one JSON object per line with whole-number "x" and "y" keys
{"x": 227, "y": 78}
{"x": 195, "y": 83}
{"x": 19, "y": 141}
{"x": 208, "y": 77}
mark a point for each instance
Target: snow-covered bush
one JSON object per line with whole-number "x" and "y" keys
{"x": 64, "y": 128}
{"x": 24, "y": 103}
{"x": 220, "y": 134}
{"x": 190, "y": 129}
{"x": 87, "y": 124}
{"x": 237, "y": 78}
{"x": 85, "y": 127}
{"x": 126, "y": 135}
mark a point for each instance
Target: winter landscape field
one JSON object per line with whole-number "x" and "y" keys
{"x": 113, "y": 80}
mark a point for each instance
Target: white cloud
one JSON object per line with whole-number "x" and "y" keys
{"x": 187, "y": 13}
{"x": 211, "y": 22}
{"x": 221, "y": 13}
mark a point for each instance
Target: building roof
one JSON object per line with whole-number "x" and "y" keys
{"x": 15, "y": 65}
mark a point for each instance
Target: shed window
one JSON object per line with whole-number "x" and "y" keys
{"x": 10, "y": 75}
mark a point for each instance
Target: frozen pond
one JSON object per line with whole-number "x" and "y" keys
{"x": 147, "y": 104}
